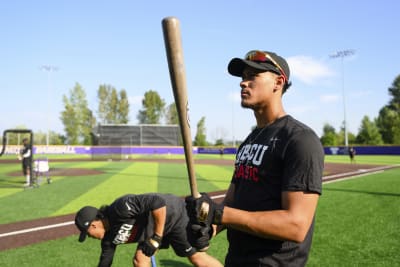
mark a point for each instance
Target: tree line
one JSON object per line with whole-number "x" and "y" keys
{"x": 113, "y": 108}
{"x": 382, "y": 130}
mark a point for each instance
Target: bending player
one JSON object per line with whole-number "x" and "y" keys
{"x": 154, "y": 221}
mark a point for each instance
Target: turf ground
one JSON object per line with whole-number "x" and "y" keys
{"x": 67, "y": 193}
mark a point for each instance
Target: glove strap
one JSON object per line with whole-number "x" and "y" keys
{"x": 155, "y": 240}
{"x": 218, "y": 215}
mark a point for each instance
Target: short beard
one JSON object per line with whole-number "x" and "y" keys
{"x": 247, "y": 105}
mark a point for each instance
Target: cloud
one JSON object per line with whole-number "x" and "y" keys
{"x": 329, "y": 98}
{"x": 308, "y": 70}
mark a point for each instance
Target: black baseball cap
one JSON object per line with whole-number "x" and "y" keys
{"x": 260, "y": 60}
{"x": 84, "y": 218}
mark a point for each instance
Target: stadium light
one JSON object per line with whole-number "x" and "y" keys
{"x": 342, "y": 54}
{"x": 48, "y": 69}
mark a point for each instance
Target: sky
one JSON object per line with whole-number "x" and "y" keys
{"x": 49, "y": 46}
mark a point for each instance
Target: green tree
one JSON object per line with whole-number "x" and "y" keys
{"x": 108, "y": 104}
{"x": 388, "y": 123}
{"x": 351, "y": 138}
{"x": 394, "y": 92}
{"x": 153, "y": 108}
{"x": 171, "y": 115}
{"x": 200, "y": 138}
{"x": 113, "y": 105}
{"x": 329, "y": 136}
{"x": 123, "y": 107}
{"x": 88, "y": 123}
{"x": 77, "y": 117}
{"x": 388, "y": 120}
{"x": 369, "y": 133}
{"x": 68, "y": 118}
{"x": 103, "y": 95}
{"x": 54, "y": 138}
{"x": 40, "y": 138}
{"x": 219, "y": 142}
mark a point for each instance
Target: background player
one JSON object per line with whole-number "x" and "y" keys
{"x": 25, "y": 155}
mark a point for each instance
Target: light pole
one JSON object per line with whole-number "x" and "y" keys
{"x": 48, "y": 69}
{"x": 342, "y": 54}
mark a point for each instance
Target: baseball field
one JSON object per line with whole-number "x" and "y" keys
{"x": 357, "y": 221}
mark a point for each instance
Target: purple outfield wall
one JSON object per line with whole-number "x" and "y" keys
{"x": 127, "y": 150}
{"x": 363, "y": 150}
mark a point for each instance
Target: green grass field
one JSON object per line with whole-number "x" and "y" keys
{"x": 357, "y": 220}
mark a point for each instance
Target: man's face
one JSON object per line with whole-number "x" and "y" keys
{"x": 257, "y": 88}
{"x": 96, "y": 229}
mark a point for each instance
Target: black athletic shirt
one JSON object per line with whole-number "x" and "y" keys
{"x": 284, "y": 156}
{"x": 131, "y": 221}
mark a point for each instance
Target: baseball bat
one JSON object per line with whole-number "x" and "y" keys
{"x": 173, "y": 46}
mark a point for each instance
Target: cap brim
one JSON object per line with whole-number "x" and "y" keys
{"x": 82, "y": 236}
{"x": 237, "y": 65}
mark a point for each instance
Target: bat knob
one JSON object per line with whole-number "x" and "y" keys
{"x": 205, "y": 207}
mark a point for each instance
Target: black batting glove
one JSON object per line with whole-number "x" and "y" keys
{"x": 203, "y": 210}
{"x": 199, "y": 236}
{"x": 150, "y": 246}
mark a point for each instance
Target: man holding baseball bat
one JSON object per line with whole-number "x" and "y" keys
{"x": 154, "y": 221}
{"x": 269, "y": 208}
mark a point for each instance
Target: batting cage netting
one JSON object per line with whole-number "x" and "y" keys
{"x": 115, "y": 141}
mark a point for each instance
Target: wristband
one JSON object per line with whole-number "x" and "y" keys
{"x": 218, "y": 215}
{"x": 155, "y": 240}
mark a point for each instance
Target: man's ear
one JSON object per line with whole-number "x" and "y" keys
{"x": 280, "y": 80}
{"x": 279, "y": 83}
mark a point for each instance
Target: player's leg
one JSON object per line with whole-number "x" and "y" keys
{"x": 25, "y": 171}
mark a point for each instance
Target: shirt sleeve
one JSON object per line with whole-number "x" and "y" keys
{"x": 134, "y": 205}
{"x": 27, "y": 154}
{"x": 303, "y": 163}
{"x": 107, "y": 253}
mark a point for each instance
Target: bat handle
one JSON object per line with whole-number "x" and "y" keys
{"x": 205, "y": 208}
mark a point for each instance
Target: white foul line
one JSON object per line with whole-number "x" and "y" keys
{"x": 36, "y": 229}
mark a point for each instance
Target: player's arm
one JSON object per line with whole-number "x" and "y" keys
{"x": 159, "y": 216}
{"x": 27, "y": 154}
{"x": 227, "y": 202}
{"x": 156, "y": 205}
{"x": 107, "y": 254}
{"x": 292, "y": 222}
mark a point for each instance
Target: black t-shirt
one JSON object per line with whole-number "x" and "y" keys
{"x": 26, "y": 151}
{"x": 130, "y": 220}
{"x": 284, "y": 156}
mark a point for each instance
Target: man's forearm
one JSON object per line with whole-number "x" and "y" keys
{"x": 292, "y": 222}
{"x": 159, "y": 216}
